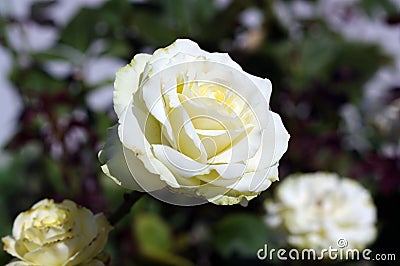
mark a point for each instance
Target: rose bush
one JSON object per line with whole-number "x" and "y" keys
{"x": 57, "y": 234}
{"x": 193, "y": 122}
{"x": 317, "y": 210}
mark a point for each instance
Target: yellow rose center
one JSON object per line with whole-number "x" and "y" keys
{"x": 230, "y": 101}
{"x": 55, "y": 218}
{"x": 47, "y": 225}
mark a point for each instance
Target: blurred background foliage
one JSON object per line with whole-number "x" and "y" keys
{"x": 335, "y": 70}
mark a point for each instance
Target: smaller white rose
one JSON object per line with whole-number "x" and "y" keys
{"x": 319, "y": 209}
{"x": 57, "y": 234}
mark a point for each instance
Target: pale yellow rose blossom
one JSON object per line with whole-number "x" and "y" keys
{"x": 57, "y": 234}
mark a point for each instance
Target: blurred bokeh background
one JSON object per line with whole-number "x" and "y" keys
{"x": 335, "y": 70}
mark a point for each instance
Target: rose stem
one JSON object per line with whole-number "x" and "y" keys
{"x": 125, "y": 207}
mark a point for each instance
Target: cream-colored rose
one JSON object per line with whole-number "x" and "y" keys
{"x": 193, "y": 122}
{"x": 319, "y": 210}
{"x": 57, "y": 234}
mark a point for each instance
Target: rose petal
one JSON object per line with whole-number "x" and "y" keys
{"x": 281, "y": 138}
{"x": 215, "y": 141}
{"x": 187, "y": 140}
{"x": 264, "y": 86}
{"x": 19, "y": 263}
{"x": 51, "y": 254}
{"x": 183, "y": 46}
{"x": 246, "y": 182}
{"x": 127, "y": 82}
{"x": 273, "y": 145}
{"x": 117, "y": 161}
{"x": 224, "y": 196}
{"x": 131, "y": 136}
{"x": 85, "y": 225}
{"x": 257, "y": 181}
{"x": 184, "y": 166}
{"x": 192, "y": 49}
{"x": 206, "y": 114}
{"x": 179, "y": 163}
{"x": 152, "y": 95}
{"x": 9, "y": 246}
{"x": 242, "y": 150}
{"x": 96, "y": 244}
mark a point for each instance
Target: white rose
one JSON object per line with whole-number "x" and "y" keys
{"x": 57, "y": 234}
{"x": 320, "y": 210}
{"x": 193, "y": 122}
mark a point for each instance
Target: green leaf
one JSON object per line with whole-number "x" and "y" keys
{"x": 155, "y": 240}
{"x": 80, "y": 32}
{"x": 55, "y": 175}
{"x": 240, "y": 234}
{"x": 152, "y": 233}
{"x": 175, "y": 19}
{"x": 5, "y": 221}
{"x": 317, "y": 54}
{"x": 192, "y": 14}
{"x": 36, "y": 80}
{"x": 156, "y": 32}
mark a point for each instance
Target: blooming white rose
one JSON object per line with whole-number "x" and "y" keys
{"x": 320, "y": 210}
{"x": 57, "y": 234}
{"x": 193, "y": 122}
